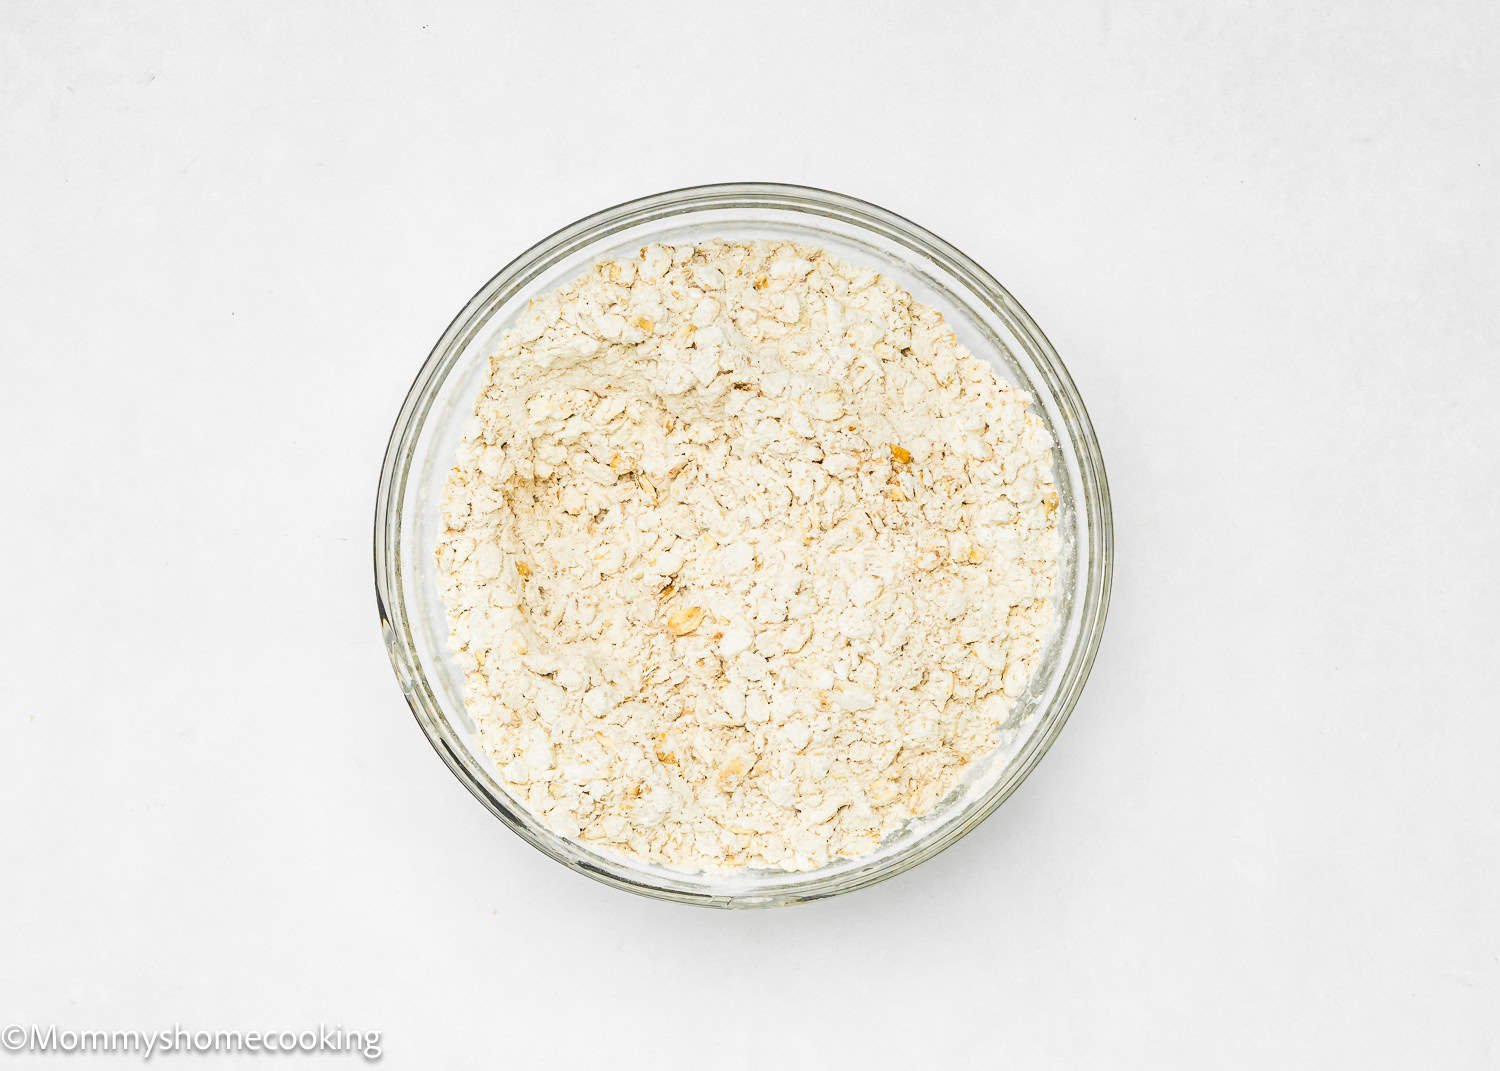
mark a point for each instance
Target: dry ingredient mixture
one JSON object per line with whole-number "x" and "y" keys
{"x": 746, "y": 560}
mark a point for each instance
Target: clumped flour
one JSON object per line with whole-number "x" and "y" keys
{"x": 747, "y": 559}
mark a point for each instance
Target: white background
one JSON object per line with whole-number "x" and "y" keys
{"x": 1262, "y": 236}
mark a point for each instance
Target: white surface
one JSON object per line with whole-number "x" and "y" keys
{"x": 1263, "y": 240}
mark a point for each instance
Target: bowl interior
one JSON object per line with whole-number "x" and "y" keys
{"x": 987, "y": 321}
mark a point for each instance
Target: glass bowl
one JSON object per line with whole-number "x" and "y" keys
{"x": 408, "y": 511}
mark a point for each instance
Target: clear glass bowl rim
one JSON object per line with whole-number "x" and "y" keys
{"x": 1095, "y": 501}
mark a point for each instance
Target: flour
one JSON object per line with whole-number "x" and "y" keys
{"x": 747, "y": 559}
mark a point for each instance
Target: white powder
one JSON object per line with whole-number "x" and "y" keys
{"x": 747, "y": 558}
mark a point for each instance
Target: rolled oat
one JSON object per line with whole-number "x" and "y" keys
{"x": 747, "y": 559}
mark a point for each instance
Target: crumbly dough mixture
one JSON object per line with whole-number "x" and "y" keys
{"x": 746, "y": 560}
